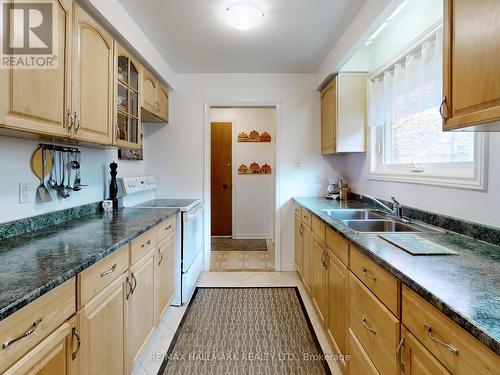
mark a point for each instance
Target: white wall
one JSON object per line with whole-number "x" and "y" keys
{"x": 175, "y": 153}
{"x": 253, "y": 204}
{"x": 15, "y": 155}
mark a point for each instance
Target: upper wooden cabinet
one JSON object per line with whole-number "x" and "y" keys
{"x": 471, "y": 74}
{"x": 39, "y": 100}
{"x": 343, "y": 114}
{"x": 128, "y": 74}
{"x": 154, "y": 100}
{"x": 93, "y": 80}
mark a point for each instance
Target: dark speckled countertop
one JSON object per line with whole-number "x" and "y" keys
{"x": 34, "y": 263}
{"x": 464, "y": 287}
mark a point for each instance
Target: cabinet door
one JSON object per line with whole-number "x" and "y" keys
{"x": 337, "y": 301}
{"x": 92, "y": 80}
{"x": 319, "y": 275}
{"x": 471, "y": 75}
{"x": 164, "y": 276}
{"x": 141, "y": 305}
{"x": 38, "y": 100}
{"x": 54, "y": 355}
{"x": 329, "y": 117}
{"x": 149, "y": 90}
{"x": 307, "y": 244}
{"x": 101, "y": 323}
{"x": 416, "y": 359}
{"x": 162, "y": 100}
{"x": 298, "y": 245}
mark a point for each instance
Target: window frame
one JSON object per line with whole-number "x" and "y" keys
{"x": 458, "y": 175}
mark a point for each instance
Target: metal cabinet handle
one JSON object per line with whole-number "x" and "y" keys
{"x": 398, "y": 349}
{"x": 77, "y": 122}
{"x": 322, "y": 257}
{"x": 29, "y": 332}
{"x": 167, "y": 228}
{"x": 146, "y": 244}
{"x": 450, "y": 347}
{"x": 368, "y": 274}
{"x": 111, "y": 270}
{"x": 135, "y": 283}
{"x": 441, "y": 107}
{"x": 161, "y": 256}
{"x": 131, "y": 288}
{"x": 372, "y": 330}
{"x": 301, "y": 229}
{"x": 71, "y": 119}
{"x": 78, "y": 342}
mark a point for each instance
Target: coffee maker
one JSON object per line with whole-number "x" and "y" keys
{"x": 333, "y": 189}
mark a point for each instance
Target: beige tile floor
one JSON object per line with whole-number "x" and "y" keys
{"x": 152, "y": 355}
{"x": 243, "y": 260}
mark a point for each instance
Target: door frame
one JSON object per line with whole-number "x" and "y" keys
{"x": 233, "y": 170}
{"x": 208, "y": 105}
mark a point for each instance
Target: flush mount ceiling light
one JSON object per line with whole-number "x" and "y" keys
{"x": 244, "y": 16}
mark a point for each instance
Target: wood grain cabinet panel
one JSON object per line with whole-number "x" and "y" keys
{"x": 299, "y": 253}
{"x": 338, "y": 308}
{"x": 164, "y": 276}
{"x": 456, "y": 349}
{"x": 38, "y": 100}
{"x": 319, "y": 278}
{"x": 307, "y": 248}
{"x": 337, "y": 244}
{"x": 359, "y": 362}
{"x": 93, "y": 67}
{"x": 162, "y": 101}
{"x": 416, "y": 359}
{"x": 141, "y": 316}
{"x": 376, "y": 328}
{"x": 306, "y": 217}
{"x": 101, "y": 323}
{"x": 471, "y": 74}
{"x": 329, "y": 118}
{"x": 385, "y": 286}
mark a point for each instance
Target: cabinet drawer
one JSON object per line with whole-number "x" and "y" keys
{"x": 95, "y": 278}
{"x": 359, "y": 363}
{"x": 318, "y": 227}
{"x": 166, "y": 228}
{"x": 379, "y": 281}
{"x": 143, "y": 244}
{"x": 375, "y": 327}
{"x": 458, "y": 351}
{"x": 338, "y": 245}
{"x": 297, "y": 210}
{"x": 42, "y": 316}
{"x": 306, "y": 217}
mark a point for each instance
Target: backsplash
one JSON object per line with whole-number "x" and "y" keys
{"x": 15, "y": 169}
{"x": 467, "y": 228}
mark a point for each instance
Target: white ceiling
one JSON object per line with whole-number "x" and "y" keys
{"x": 295, "y": 36}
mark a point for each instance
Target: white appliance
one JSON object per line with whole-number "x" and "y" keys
{"x": 189, "y": 234}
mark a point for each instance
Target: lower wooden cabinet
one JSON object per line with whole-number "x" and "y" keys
{"x": 55, "y": 355}
{"x": 359, "y": 363}
{"x": 319, "y": 288}
{"x": 141, "y": 317}
{"x": 298, "y": 246}
{"x": 337, "y": 302}
{"x": 416, "y": 359}
{"x": 164, "y": 276}
{"x": 101, "y": 323}
{"x": 307, "y": 244}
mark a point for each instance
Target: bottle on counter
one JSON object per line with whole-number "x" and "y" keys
{"x": 345, "y": 192}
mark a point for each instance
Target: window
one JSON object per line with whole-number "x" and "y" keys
{"x": 407, "y": 142}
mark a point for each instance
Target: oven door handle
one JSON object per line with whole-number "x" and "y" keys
{"x": 193, "y": 213}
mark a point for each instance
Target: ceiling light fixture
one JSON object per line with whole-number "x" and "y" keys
{"x": 244, "y": 16}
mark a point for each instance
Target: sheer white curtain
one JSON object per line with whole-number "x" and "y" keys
{"x": 410, "y": 86}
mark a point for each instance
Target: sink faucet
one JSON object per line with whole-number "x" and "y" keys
{"x": 396, "y": 210}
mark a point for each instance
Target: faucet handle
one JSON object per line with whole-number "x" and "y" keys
{"x": 395, "y": 201}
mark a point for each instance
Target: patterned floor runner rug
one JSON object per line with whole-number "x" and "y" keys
{"x": 245, "y": 331}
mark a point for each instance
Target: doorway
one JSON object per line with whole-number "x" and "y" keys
{"x": 242, "y": 183}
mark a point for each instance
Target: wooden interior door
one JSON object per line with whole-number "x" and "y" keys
{"x": 222, "y": 180}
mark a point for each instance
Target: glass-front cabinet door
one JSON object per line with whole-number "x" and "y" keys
{"x": 127, "y": 119}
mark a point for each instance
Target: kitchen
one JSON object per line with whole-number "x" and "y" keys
{"x": 368, "y": 92}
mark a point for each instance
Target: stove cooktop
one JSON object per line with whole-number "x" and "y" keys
{"x": 182, "y": 204}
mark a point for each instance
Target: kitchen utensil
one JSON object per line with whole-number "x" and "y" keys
{"x": 36, "y": 163}
{"x": 63, "y": 193}
{"x": 52, "y": 182}
{"x": 42, "y": 191}
{"x": 77, "y": 185}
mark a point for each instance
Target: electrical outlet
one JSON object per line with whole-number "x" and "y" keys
{"x": 318, "y": 179}
{"x": 298, "y": 165}
{"x": 24, "y": 192}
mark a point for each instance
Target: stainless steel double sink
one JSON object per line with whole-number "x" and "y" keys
{"x": 371, "y": 221}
